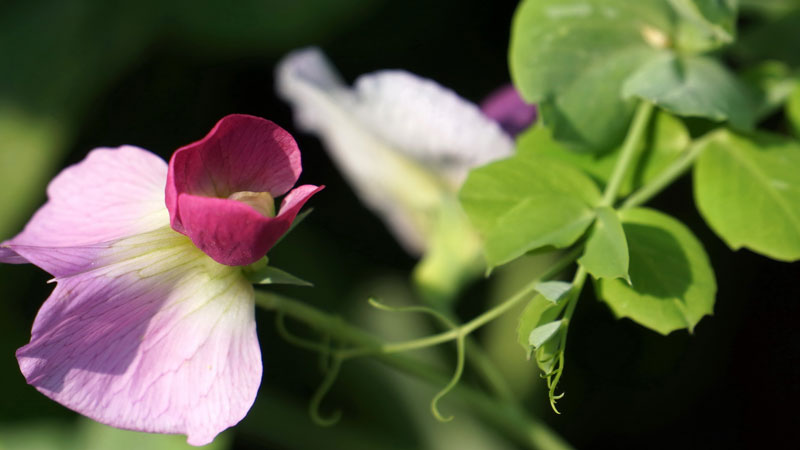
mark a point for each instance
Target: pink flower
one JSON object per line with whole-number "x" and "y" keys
{"x": 151, "y": 329}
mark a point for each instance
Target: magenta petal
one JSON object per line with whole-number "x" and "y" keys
{"x": 507, "y": 107}
{"x": 233, "y": 233}
{"x": 162, "y": 340}
{"x": 110, "y": 194}
{"x": 241, "y": 153}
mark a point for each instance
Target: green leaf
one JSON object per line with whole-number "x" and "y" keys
{"x": 572, "y": 57}
{"x": 543, "y": 333}
{"x": 712, "y": 23}
{"x": 673, "y": 284}
{"x": 667, "y": 139}
{"x": 773, "y": 82}
{"x": 793, "y": 110}
{"x": 606, "y": 252}
{"x": 528, "y": 202}
{"x": 553, "y": 291}
{"x": 748, "y": 190}
{"x": 693, "y": 86}
{"x": 261, "y": 273}
{"x": 537, "y": 312}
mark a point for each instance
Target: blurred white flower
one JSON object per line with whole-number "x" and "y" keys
{"x": 405, "y": 143}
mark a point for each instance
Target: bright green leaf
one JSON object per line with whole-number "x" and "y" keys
{"x": 673, "y": 284}
{"x": 793, "y": 110}
{"x": 543, "y": 333}
{"x": 553, "y": 291}
{"x": 748, "y": 190}
{"x": 572, "y": 57}
{"x": 666, "y": 140}
{"x": 527, "y": 202}
{"x": 536, "y": 222}
{"x": 707, "y": 23}
{"x": 606, "y": 251}
{"x": 693, "y": 86}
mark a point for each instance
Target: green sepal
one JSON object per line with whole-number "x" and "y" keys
{"x": 262, "y": 273}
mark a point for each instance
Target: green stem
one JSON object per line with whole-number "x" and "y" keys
{"x": 468, "y": 327}
{"x": 629, "y": 148}
{"x": 511, "y": 419}
{"x": 577, "y": 287}
{"x": 668, "y": 175}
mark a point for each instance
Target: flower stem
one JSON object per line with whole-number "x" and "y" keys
{"x": 629, "y": 149}
{"x": 514, "y": 420}
{"x": 668, "y": 175}
{"x": 472, "y": 325}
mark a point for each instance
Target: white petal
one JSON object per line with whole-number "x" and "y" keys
{"x": 403, "y": 142}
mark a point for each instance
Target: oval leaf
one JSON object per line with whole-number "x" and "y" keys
{"x": 572, "y": 57}
{"x": 694, "y": 86}
{"x": 527, "y": 202}
{"x": 673, "y": 284}
{"x": 748, "y": 190}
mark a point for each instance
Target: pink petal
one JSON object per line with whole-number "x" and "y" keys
{"x": 156, "y": 337}
{"x": 110, "y": 194}
{"x": 507, "y": 107}
{"x": 234, "y": 233}
{"x": 241, "y": 153}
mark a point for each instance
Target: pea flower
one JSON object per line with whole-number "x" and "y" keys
{"x": 508, "y": 108}
{"x": 151, "y": 324}
{"x": 406, "y": 144}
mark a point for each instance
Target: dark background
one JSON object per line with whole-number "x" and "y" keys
{"x": 95, "y": 73}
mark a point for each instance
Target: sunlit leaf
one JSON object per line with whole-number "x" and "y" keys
{"x": 693, "y": 86}
{"x": 672, "y": 282}
{"x": 572, "y": 57}
{"x": 527, "y": 202}
{"x": 606, "y": 251}
{"x": 748, "y": 190}
{"x": 666, "y": 140}
{"x": 712, "y": 22}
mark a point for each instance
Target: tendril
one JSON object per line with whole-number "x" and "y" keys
{"x": 413, "y": 309}
{"x": 280, "y": 327}
{"x": 552, "y": 382}
{"x": 460, "y": 349}
{"x": 319, "y": 395}
{"x": 460, "y": 353}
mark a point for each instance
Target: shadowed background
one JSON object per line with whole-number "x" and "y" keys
{"x": 82, "y": 74}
